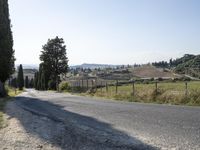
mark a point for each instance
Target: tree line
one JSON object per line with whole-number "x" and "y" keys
{"x": 21, "y": 82}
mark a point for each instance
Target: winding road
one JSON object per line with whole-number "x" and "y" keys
{"x": 119, "y": 125}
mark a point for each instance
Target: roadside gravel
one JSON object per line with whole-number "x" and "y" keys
{"x": 14, "y": 137}
{"x": 27, "y": 131}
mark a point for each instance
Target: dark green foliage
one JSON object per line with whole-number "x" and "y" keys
{"x": 182, "y": 60}
{"x": 51, "y": 85}
{"x": 6, "y": 46}
{"x": 20, "y": 78}
{"x": 64, "y": 86}
{"x": 43, "y": 87}
{"x": 26, "y": 82}
{"x": 40, "y": 81}
{"x": 36, "y": 80}
{"x": 54, "y": 62}
{"x": 161, "y": 64}
{"x": 31, "y": 83}
{"x": 189, "y": 64}
{"x": 13, "y": 82}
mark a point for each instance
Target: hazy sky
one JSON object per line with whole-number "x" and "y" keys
{"x": 107, "y": 31}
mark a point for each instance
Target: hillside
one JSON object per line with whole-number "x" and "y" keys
{"x": 148, "y": 71}
{"x": 188, "y": 64}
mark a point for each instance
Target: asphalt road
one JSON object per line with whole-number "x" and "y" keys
{"x": 119, "y": 124}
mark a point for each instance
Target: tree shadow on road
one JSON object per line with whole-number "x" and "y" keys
{"x": 68, "y": 130}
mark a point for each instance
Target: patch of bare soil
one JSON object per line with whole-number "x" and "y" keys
{"x": 152, "y": 72}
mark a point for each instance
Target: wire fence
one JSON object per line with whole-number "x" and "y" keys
{"x": 124, "y": 87}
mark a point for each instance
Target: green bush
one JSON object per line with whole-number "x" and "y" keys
{"x": 52, "y": 85}
{"x": 64, "y": 86}
{"x": 160, "y": 79}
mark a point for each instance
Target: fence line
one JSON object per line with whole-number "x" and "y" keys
{"x": 96, "y": 84}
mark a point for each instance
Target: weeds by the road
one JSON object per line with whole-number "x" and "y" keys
{"x": 2, "y": 104}
{"x": 11, "y": 93}
{"x": 166, "y": 93}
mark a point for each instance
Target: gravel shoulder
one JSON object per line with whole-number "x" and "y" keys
{"x": 15, "y": 137}
{"x": 49, "y": 120}
{"x": 25, "y": 130}
{"x": 39, "y": 133}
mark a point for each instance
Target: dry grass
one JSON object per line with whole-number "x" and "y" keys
{"x": 11, "y": 93}
{"x": 151, "y": 72}
{"x": 167, "y": 93}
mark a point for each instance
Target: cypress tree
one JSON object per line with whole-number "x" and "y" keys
{"x": 35, "y": 80}
{"x": 43, "y": 87}
{"x": 39, "y": 79}
{"x": 31, "y": 83}
{"x": 26, "y": 82}
{"x": 20, "y": 78}
{"x": 6, "y": 46}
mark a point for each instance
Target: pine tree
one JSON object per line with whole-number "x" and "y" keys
{"x": 54, "y": 60}
{"x": 20, "y": 78}
{"x": 6, "y": 46}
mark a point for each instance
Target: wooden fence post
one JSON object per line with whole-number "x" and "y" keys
{"x": 101, "y": 87}
{"x": 116, "y": 90}
{"x": 156, "y": 84}
{"x": 87, "y": 84}
{"x": 106, "y": 87}
{"x": 92, "y": 83}
{"x": 186, "y": 89}
{"x": 133, "y": 88}
{"x": 96, "y": 84}
{"x": 82, "y": 83}
{"x": 79, "y": 83}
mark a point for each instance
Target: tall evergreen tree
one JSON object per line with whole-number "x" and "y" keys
{"x": 39, "y": 81}
{"x": 54, "y": 60}
{"x": 20, "y": 78}
{"x": 6, "y": 46}
{"x": 43, "y": 87}
{"x": 35, "y": 80}
{"x": 31, "y": 83}
{"x": 26, "y": 82}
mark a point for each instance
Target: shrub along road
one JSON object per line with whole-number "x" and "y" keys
{"x": 94, "y": 123}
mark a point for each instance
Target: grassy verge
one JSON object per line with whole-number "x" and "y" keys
{"x": 167, "y": 93}
{"x": 11, "y": 93}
